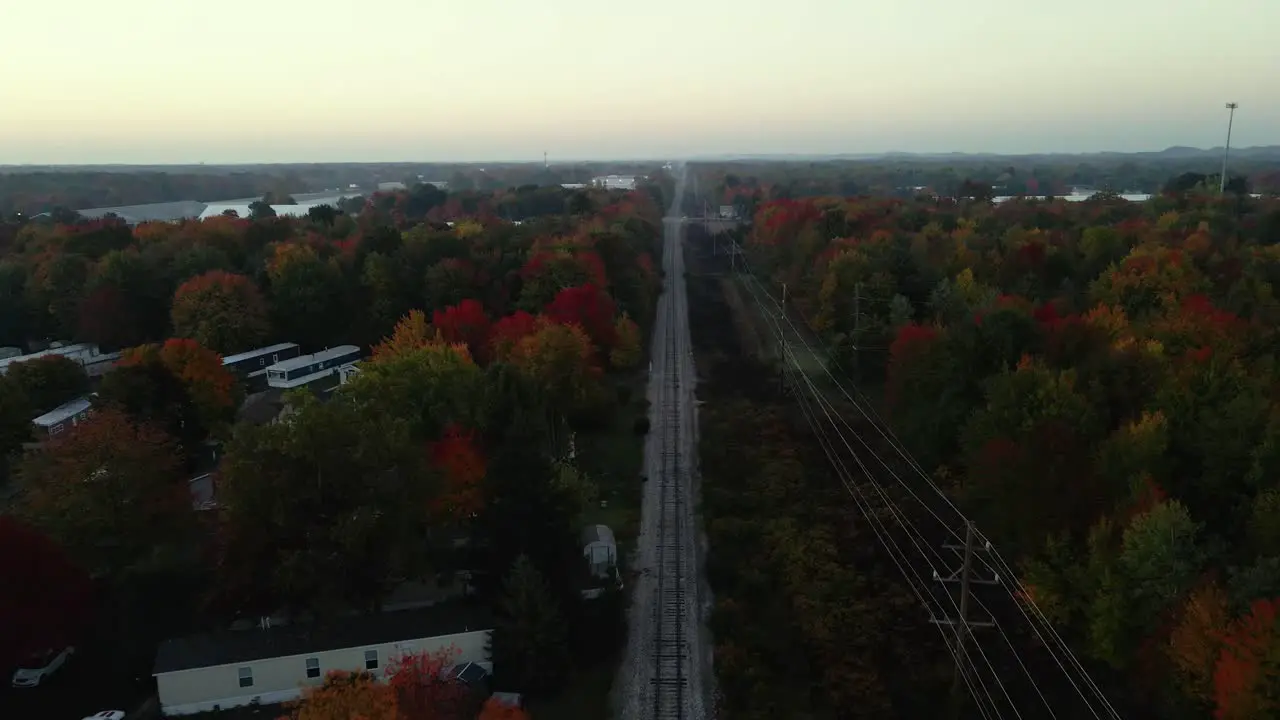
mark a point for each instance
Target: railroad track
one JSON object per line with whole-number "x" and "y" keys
{"x": 670, "y": 678}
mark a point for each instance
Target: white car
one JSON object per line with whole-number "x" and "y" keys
{"x": 39, "y": 667}
{"x": 107, "y": 715}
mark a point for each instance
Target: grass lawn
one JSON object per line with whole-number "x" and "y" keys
{"x": 612, "y": 456}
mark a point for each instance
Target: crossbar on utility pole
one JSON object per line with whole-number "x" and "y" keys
{"x": 965, "y": 576}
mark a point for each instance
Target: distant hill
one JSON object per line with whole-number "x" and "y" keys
{"x": 1179, "y": 153}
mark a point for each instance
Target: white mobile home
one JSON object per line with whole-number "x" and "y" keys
{"x": 62, "y": 418}
{"x": 86, "y": 354}
{"x": 251, "y": 362}
{"x": 308, "y": 369}
{"x": 273, "y": 664}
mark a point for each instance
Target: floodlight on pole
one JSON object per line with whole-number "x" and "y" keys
{"x": 1226, "y": 151}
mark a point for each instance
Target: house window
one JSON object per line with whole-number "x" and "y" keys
{"x": 313, "y": 667}
{"x": 370, "y": 659}
{"x": 246, "y": 677}
{"x": 275, "y": 357}
{"x": 55, "y": 429}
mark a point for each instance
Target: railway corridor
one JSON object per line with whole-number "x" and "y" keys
{"x": 665, "y": 674}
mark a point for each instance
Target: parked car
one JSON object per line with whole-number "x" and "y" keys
{"x": 36, "y": 669}
{"x": 107, "y": 715}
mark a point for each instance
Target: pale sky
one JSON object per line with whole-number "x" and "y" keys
{"x": 219, "y": 81}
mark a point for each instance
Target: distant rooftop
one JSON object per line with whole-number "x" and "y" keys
{"x": 278, "y": 347}
{"x": 153, "y": 212}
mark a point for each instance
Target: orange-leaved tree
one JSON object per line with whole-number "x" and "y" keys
{"x": 347, "y": 696}
{"x": 211, "y": 387}
{"x": 560, "y": 359}
{"x": 411, "y": 333}
{"x": 1196, "y": 642}
{"x": 457, "y": 455}
{"x": 220, "y": 310}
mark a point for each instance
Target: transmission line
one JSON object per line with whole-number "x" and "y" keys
{"x": 998, "y": 564}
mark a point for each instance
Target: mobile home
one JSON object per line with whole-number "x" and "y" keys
{"x": 274, "y": 663}
{"x": 88, "y": 355}
{"x": 308, "y": 369}
{"x": 61, "y": 419}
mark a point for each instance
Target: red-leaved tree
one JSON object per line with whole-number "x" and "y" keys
{"x": 423, "y": 690}
{"x": 457, "y": 455}
{"x": 47, "y": 598}
{"x": 588, "y": 307}
{"x": 464, "y": 323}
{"x": 509, "y": 331}
{"x": 1245, "y": 681}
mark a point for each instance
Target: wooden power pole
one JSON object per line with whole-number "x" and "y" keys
{"x": 966, "y": 578}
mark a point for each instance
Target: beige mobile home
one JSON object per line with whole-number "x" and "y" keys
{"x": 270, "y": 665}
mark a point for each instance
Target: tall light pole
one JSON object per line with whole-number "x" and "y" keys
{"x": 1222, "y": 185}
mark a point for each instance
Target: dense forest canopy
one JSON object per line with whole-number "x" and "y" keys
{"x": 493, "y": 348}
{"x": 748, "y": 183}
{"x": 1095, "y": 383}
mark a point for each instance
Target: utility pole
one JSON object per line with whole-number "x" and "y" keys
{"x": 784, "y": 297}
{"x": 1222, "y": 185}
{"x": 857, "y": 334}
{"x": 963, "y": 625}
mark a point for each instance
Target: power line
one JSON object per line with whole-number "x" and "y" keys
{"x": 1001, "y": 566}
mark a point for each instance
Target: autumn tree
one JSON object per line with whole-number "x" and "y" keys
{"x": 411, "y": 333}
{"x": 424, "y": 690}
{"x": 1196, "y": 642}
{"x": 428, "y": 388}
{"x": 55, "y": 290}
{"x": 1245, "y": 681}
{"x": 548, "y": 272}
{"x": 626, "y": 349}
{"x": 462, "y": 466}
{"x": 46, "y": 382}
{"x": 55, "y": 599}
{"x": 464, "y": 323}
{"x": 125, "y": 300}
{"x": 559, "y": 358}
{"x": 307, "y": 296}
{"x": 348, "y": 696}
{"x": 530, "y": 643}
{"x": 588, "y": 307}
{"x": 112, "y": 493}
{"x": 321, "y": 510}
{"x": 222, "y": 311}
{"x": 507, "y": 333}
{"x": 179, "y": 384}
